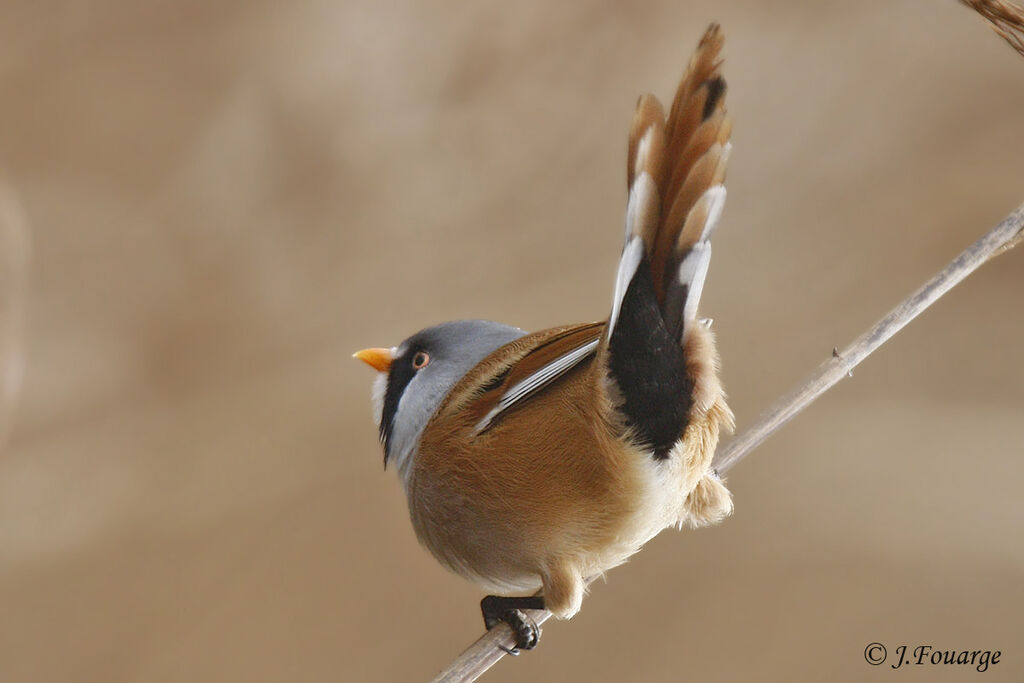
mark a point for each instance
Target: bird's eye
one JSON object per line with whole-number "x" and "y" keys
{"x": 420, "y": 360}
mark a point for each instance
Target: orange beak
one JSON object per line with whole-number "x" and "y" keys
{"x": 378, "y": 359}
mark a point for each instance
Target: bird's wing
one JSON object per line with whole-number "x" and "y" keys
{"x": 542, "y": 359}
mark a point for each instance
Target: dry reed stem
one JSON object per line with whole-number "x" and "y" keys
{"x": 1006, "y": 18}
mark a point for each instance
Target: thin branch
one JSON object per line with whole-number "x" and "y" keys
{"x": 485, "y": 652}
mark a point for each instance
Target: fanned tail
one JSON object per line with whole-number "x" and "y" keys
{"x": 676, "y": 167}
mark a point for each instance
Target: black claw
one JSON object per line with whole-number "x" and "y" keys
{"x": 525, "y": 629}
{"x": 498, "y": 609}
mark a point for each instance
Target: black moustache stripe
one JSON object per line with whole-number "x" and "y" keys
{"x": 399, "y": 376}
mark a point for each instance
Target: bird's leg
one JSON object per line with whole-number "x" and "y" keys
{"x": 497, "y": 609}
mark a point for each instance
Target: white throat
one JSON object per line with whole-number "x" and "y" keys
{"x": 403, "y": 441}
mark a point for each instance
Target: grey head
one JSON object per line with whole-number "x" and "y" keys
{"x": 424, "y": 368}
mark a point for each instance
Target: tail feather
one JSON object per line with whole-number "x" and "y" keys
{"x": 691, "y": 112}
{"x": 644, "y": 169}
{"x": 649, "y": 117}
{"x": 707, "y": 173}
{"x": 676, "y": 168}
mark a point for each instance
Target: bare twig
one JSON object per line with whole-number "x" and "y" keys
{"x": 1006, "y": 18}
{"x": 485, "y": 652}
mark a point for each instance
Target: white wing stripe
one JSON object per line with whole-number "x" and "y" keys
{"x": 538, "y": 380}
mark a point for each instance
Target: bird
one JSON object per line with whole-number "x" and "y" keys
{"x": 533, "y": 463}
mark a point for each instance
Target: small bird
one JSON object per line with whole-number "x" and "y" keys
{"x": 537, "y": 462}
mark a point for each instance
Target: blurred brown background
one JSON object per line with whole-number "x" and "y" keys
{"x": 224, "y": 200}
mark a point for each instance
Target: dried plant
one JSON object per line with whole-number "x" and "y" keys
{"x": 1007, "y": 19}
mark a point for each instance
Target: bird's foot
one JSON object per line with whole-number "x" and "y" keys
{"x": 497, "y": 609}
